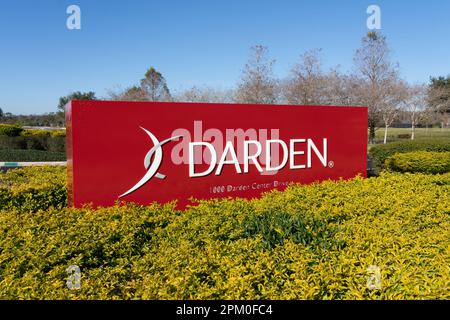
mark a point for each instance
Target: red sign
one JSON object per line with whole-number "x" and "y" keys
{"x": 150, "y": 151}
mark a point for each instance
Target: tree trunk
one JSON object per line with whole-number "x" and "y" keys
{"x": 413, "y": 124}
{"x": 385, "y": 134}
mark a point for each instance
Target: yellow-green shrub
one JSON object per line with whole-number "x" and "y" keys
{"x": 420, "y": 161}
{"x": 58, "y": 133}
{"x": 36, "y": 133}
{"x": 33, "y": 188}
{"x": 308, "y": 242}
{"x": 10, "y": 130}
{"x": 379, "y": 153}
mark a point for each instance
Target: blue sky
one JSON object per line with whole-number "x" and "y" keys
{"x": 193, "y": 42}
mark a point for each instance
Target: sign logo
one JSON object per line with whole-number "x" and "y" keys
{"x": 205, "y": 151}
{"x": 152, "y": 168}
{"x": 260, "y": 151}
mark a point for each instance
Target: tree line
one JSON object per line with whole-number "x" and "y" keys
{"x": 375, "y": 82}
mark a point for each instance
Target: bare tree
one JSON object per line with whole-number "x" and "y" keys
{"x": 205, "y": 94}
{"x": 258, "y": 84}
{"x": 133, "y": 93}
{"x": 339, "y": 89}
{"x": 396, "y": 93}
{"x": 153, "y": 87}
{"x": 306, "y": 84}
{"x": 415, "y": 105}
{"x": 376, "y": 74}
{"x": 428, "y": 117}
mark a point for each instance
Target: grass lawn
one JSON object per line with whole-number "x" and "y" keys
{"x": 420, "y": 133}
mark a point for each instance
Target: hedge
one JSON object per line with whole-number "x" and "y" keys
{"x": 380, "y": 153}
{"x": 14, "y": 137}
{"x": 33, "y": 188}
{"x": 10, "y": 130}
{"x": 36, "y": 133}
{"x": 30, "y": 155}
{"x": 34, "y": 142}
{"x": 420, "y": 161}
{"x": 58, "y": 133}
{"x": 309, "y": 242}
{"x": 44, "y": 133}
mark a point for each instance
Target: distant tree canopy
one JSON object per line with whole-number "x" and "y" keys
{"x": 153, "y": 87}
{"x": 439, "y": 93}
{"x": 440, "y": 82}
{"x": 38, "y": 120}
{"x": 375, "y": 82}
{"x": 257, "y": 83}
{"x": 378, "y": 78}
{"x": 134, "y": 93}
{"x": 75, "y": 96}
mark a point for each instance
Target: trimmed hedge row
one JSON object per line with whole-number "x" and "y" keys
{"x": 31, "y": 155}
{"x": 13, "y": 137}
{"x": 43, "y": 143}
{"x": 380, "y": 153}
{"x": 420, "y": 161}
{"x": 319, "y": 241}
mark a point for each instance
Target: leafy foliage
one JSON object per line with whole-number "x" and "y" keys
{"x": 77, "y": 95}
{"x": 44, "y": 140}
{"x": 308, "y": 242}
{"x": 10, "y": 130}
{"x": 37, "y": 120}
{"x": 380, "y": 153}
{"x": 420, "y": 161}
{"x": 33, "y": 188}
{"x": 36, "y": 133}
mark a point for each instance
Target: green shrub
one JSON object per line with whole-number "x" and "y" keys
{"x": 380, "y": 153}
{"x": 7, "y": 142}
{"x": 36, "y": 133}
{"x": 44, "y": 133}
{"x": 404, "y": 136}
{"x": 13, "y": 155}
{"x": 33, "y": 188}
{"x": 58, "y": 133}
{"x": 276, "y": 227}
{"x": 37, "y": 143}
{"x": 56, "y": 144}
{"x": 309, "y": 242}
{"x": 420, "y": 161}
{"x": 10, "y": 130}
{"x": 52, "y": 143}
